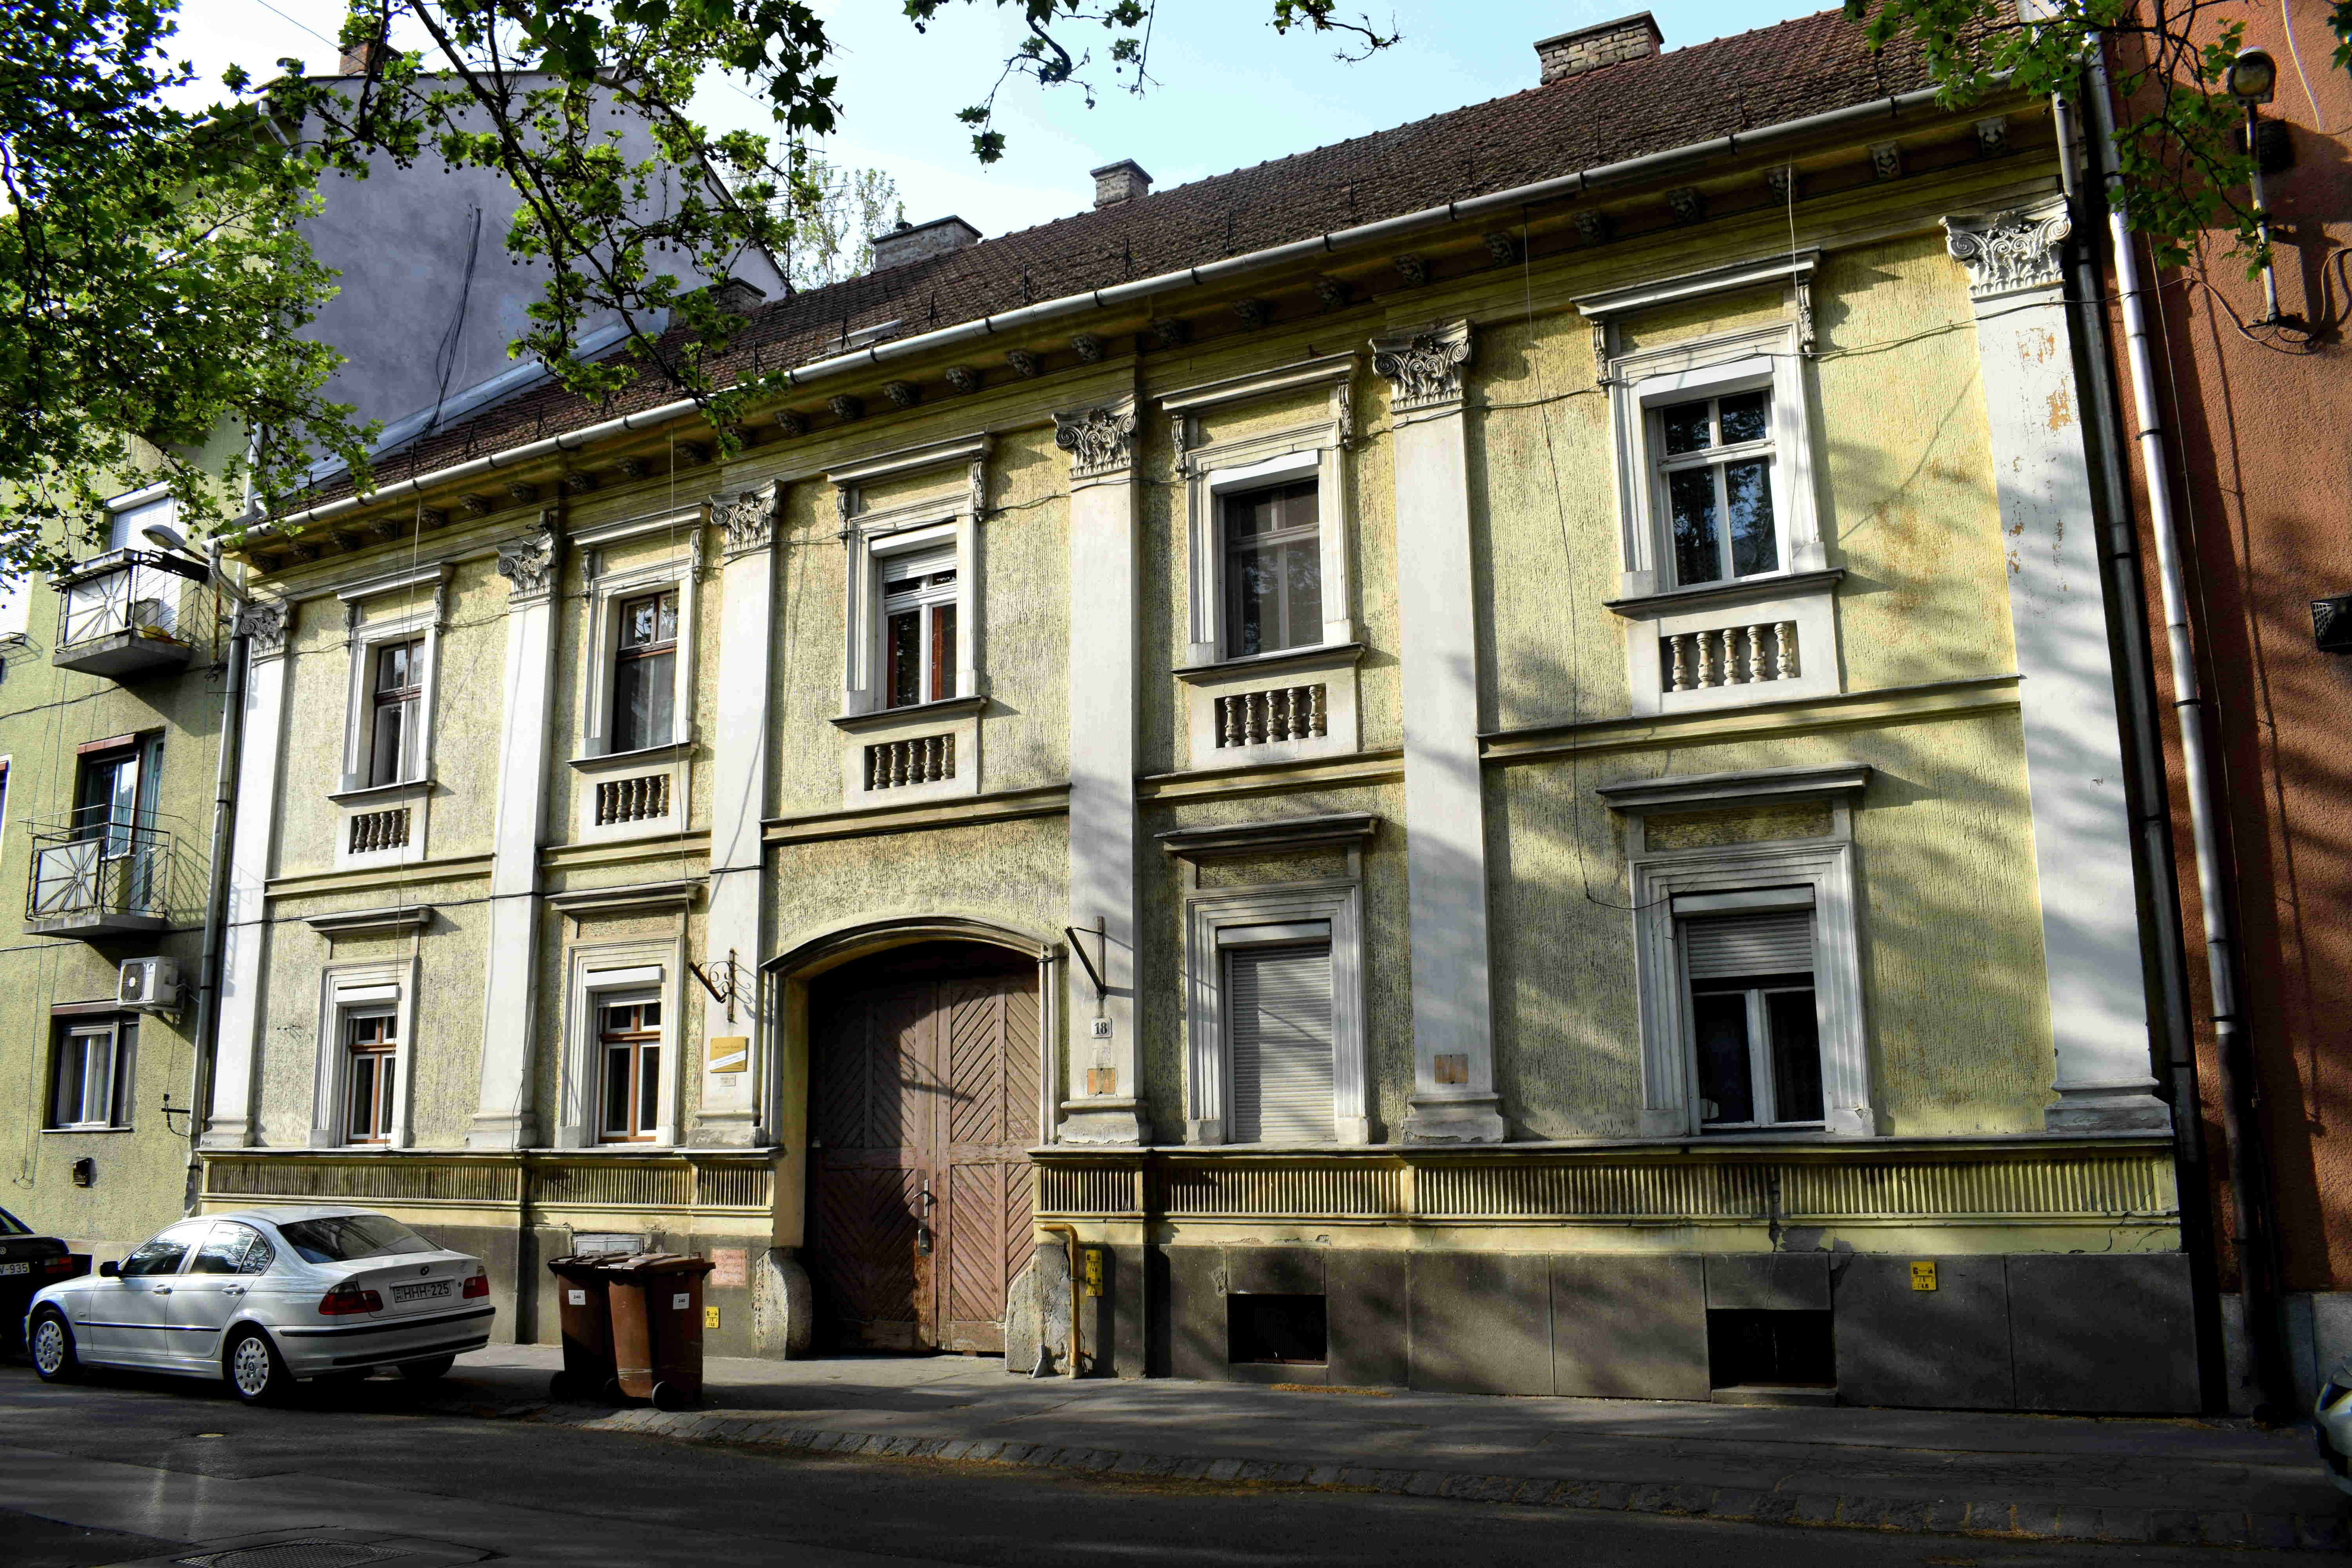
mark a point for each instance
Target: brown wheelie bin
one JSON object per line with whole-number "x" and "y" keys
{"x": 657, "y": 1326}
{"x": 587, "y": 1318}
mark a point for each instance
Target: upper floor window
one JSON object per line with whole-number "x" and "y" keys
{"x": 371, "y": 1040}
{"x": 399, "y": 693}
{"x": 1714, "y": 458}
{"x": 644, "y": 672}
{"x": 110, "y": 795}
{"x": 918, "y": 627}
{"x": 1273, "y": 569}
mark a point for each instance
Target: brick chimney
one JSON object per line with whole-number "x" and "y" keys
{"x": 921, "y": 241}
{"x": 1630, "y": 38}
{"x": 1124, "y": 180}
{"x": 361, "y": 55}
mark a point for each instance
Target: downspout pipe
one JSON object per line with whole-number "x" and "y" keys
{"x": 2143, "y": 739}
{"x": 2247, "y": 1158}
{"x": 1027, "y": 318}
{"x": 208, "y": 961}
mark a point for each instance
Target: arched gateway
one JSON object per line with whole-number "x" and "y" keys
{"x": 923, "y": 1074}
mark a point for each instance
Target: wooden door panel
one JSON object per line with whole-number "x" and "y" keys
{"x": 864, "y": 1232}
{"x": 926, "y": 1084}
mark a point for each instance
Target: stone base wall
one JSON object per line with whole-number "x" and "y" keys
{"x": 2021, "y": 1331}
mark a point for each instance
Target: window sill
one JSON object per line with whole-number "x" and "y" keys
{"x": 1745, "y": 591}
{"x": 82, "y": 1132}
{"x": 384, "y": 794}
{"x": 883, "y": 718}
{"x": 620, "y": 762}
{"x": 1321, "y": 656}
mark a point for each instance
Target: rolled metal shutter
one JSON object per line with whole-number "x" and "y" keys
{"x": 1278, "y": 1001}
{"x": 1731, "y": 946}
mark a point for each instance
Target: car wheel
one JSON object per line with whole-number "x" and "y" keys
{"x": 54, "y": 1357}
{"x": 426, "y": 1371}
{"x": 257, "y": 1372}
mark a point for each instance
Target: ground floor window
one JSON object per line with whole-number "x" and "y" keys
{"x": 1278, "y": 1023}
{"x": 629, "y": 1030}
{"x": 372, "y": 1041}
{"x": 91, "y": 1076}
{"x": 1755, "y": 1032}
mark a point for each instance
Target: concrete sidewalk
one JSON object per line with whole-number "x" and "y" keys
{"x": 2219, "y": 1483}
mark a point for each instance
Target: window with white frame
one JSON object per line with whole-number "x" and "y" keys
{"x": 91, "y": 1073}
{"x": 394, "y": 638}
{"x": 636, "y": 687}
{"x": 1715, "y": 476}
{"x": 919, "y": 593}
{"x": 644, "y": 672}
{"x": 396, "y": 697}
{"x": 624, "y": 1043}
{"x": 366, "y": 1029}
{"x": 1278, "y": 1007}
{"x": 1273, "y": 565}
{"x": 1747, "y": 952}
{"x": 372, "y": 1041}
{"x": 1755, "y": 1034}
{"x": 629, "y": 1044}
{"x": 1274, "y": 971}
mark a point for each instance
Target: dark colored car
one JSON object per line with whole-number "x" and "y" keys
{"x": 27, "y": 1262}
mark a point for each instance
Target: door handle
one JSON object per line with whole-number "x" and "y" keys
{"x": 163, "y": 1289}
{"x": 234, "y": 1290}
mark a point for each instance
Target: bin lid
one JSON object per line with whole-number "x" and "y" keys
{"x": 658, "y": 1263}
{"x": 579, "y": 1262}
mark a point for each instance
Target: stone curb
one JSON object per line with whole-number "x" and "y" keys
{"x": 1901, "y": 1515}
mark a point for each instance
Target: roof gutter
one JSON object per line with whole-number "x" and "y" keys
{"x": 1625, "y": 172}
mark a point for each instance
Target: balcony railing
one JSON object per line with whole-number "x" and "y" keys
{"x": 102, "y": 878}
{"x": 124, "y": 613}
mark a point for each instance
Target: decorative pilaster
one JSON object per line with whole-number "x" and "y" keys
{"x": 732, "y": 1069}
{"x": 1101, "y": 441}
{"x": 245, "y": 937}
{"x": 1454, "y": 1098}
{"x": 2073, "y": 748}
{"x": 1102, "y": 1103}
{"x": 505, "y": 1117}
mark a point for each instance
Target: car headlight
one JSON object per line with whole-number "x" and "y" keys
{"x": 2333, "y": 1393}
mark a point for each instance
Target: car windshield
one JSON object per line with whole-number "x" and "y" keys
{"x": 345, "y": 1237}
{"x": 11, "y": 1226}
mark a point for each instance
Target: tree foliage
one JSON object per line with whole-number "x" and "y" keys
{"x": 152, "y": 283}
{"x": 2181, "y": 140}
{"x": 155, "y": 283}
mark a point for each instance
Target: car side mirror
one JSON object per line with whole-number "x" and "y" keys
{"x": 109, "y": 1268}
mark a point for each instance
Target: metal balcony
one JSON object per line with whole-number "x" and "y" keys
{"x": 107, "y": 879}
{"x": 124, "y": 615}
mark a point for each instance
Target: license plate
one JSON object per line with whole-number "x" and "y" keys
{"x": 15, "y": 1268}
{"x": 424, "y": 1292}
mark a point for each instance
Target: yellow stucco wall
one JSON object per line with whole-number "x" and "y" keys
{"x": 1950, "y": 933}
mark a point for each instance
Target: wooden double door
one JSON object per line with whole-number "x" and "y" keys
{"x": 923, "y": 1103}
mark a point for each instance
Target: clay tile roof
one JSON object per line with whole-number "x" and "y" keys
{"x": 1809, "y": 65}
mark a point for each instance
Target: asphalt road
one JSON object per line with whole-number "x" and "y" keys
{"x": 123, "y": 1468}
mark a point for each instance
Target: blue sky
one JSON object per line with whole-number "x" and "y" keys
{"x": 1229, "y": 91}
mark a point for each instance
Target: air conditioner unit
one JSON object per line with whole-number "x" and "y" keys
{"x": 149, "y": 985}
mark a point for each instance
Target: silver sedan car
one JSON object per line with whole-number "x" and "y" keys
{"x": 265, "y": 1299}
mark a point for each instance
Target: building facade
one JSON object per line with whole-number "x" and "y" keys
{"x": 1484, "y": 759}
